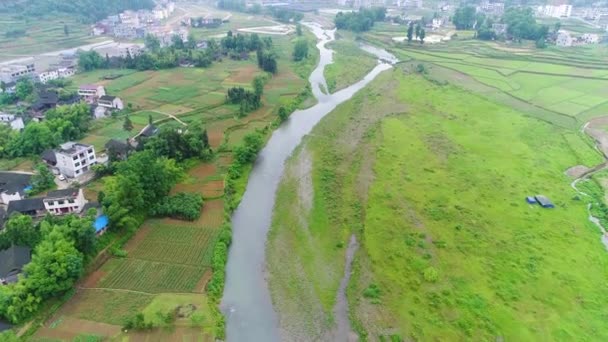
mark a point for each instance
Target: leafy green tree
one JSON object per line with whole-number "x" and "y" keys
{"x": 300, "y": 50}
{"x": 464, "y": 17}
{"x": 410, "y": 32}
{"x": 20, "y": 231}
{"x": 417, "y": 31}
{"x": 299, "y": 29}
{"x": 24, "y": 88}
{"x": 35, "y": 138}
{"x": 90, "y": 60}
{"x": 6, "y": 135}
{"x": 43, "y": 179}
{"x": 66, "y": 30}
{"x": 422, "y": 35}
{"x": 127, "y": 125}
{"x": 177, "y": 42}
{"x": 258, "y": 85}
{"x": 152, "y": 43}
{"x": 247, "y": 152}
{"x": 283, "y": 114}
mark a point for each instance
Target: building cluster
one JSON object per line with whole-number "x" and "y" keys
{"x": 137, "y": 24}
{"x": 101, "y": 103}
{"x": 565, "y": 39}
{"x": 496, "y": 9}
{"x": 11, "y": 73}
{"x": 555, "y": 11}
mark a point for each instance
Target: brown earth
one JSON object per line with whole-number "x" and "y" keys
{"x": 200, "y": 287}
{"x": 93, "y": 278}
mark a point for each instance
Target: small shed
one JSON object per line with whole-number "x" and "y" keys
{"x": 544, "y": 201}
{"x": 531, "y": 200}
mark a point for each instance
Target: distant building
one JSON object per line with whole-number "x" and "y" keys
{"x": 67, "y": 201}
{"x": 110, "y": 102}
{"x": 13, "y": 72}
{"x": 590, "y": 38}
{"x": 555, "y": 11}
{"x": 563, "y": 38}
{"x": 74, "y": 159}
{"x": 100, "y": 112}
{"x": 491, "y": 8}
{"x": 46, "y": 76}
{"x": 91, "y": 92}
{"x": 12, "y": 120}
{"x": 66, "y": 72}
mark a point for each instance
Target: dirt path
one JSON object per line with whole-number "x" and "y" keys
{"x": 343, "y": 330}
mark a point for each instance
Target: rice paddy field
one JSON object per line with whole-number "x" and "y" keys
{"x": 566, "y": 86}
{"x": 42, "y": 35}
{"x": 168, "y": 261}
{"x": 431, "y": 179}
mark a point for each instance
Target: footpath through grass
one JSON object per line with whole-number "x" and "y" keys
{"x": 432, "y": 180}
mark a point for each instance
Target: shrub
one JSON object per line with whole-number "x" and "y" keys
{"x": 372, "y": 291}
{"x": 431, "y": 275}
{"x": 185, "y": 206}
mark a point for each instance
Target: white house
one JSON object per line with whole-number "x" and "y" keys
{"x": 90, "y": 92}
{"x": 590, "y": 38}
{"x": 12, "y": 120}
{"x": 66, "y": 72}
{"x": 61, "y": 202}
{"x": 74, "y": 159}
{"x": 111, "y": 102}
{"x": 46, "y": 76}
{"x": 563, "y": 38}
{"x": 559, "y": 11}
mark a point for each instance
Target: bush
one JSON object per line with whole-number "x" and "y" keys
{"x": 372, "y": 291}
{"x": 185, "y": 206}
{"x": 431, "y": 275}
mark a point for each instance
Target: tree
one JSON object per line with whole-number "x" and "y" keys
{"x": 150, "y": 120}
{"x": 422, "y": 35}
{"x": 177, "y": 42}
{"x": 35, "y": 138}
{"x": 24, "y": 88}
{"x": 258, "y": 85}
{"x": 90, "y": 60}
{"x": 410, "y": 32}
{"x": 127, "y": 125}
{"x": 43, "y": 179}
{"x": 299, "y": 29}
{"x": 300, "y": 50}
{"x": 66, "y": 30}
{"x": 6, "y": 135}
{"x": 464, "y": 18}
{"x": 283, "y": 114}
{"x": 417, "y": 32}
{"x": 3, "y": 86}
{"x": 20, "y": 231}
{"x": 247, "y": 152}
{"x": 152, "y": 43}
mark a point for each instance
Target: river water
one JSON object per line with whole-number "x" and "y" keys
{"x": 246, "y": 303}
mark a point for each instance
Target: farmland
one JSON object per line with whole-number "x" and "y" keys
{"x": 42, "y": 35}
{"x": 168, "y": 262}
{"x": 431, "y": 179}
{"x": 562, "y": 86}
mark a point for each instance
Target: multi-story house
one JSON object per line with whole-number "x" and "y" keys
{"x": 66, "y": 201}
{"x": 13, "y": 72}
{"x": 74, "y": 159}
{"x": 46, "y": 76}
{"x": 90, "y": 92}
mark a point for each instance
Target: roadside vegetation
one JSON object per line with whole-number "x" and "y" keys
{"x": 446, "y": 252}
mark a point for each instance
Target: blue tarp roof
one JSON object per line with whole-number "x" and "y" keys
{"x": 28, "y": 188}
{"x": 100, "y": 223}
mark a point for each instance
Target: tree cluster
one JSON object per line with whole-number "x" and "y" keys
{"x": 267, "y": 60}
{"x": 248, "y": 100}
{"x": 522, "y": 24}
{"x": 360, "y": 21}
{"x": 465, "y": 18}
{"x": 285, "y": 15}
{"x": 300, "y": 50}
{"x": 183, "y": 206}
{"x": 137, "y": 185}
{"x": 63, "y": 123}
{"x": 61, "y": 247}
{"x": 43, "y": 179}
{"x": 177, "y": 145}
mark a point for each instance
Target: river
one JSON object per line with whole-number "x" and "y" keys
{"x": 246, "y": 303}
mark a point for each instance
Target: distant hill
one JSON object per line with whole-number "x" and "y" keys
{"x": 86, "y": 10}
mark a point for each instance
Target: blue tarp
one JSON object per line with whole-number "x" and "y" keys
{"x": 100, "y": 223}
{"x": 28, "y": 188}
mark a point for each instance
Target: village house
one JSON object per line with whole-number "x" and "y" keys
{"x": 66, "y": 201}
{"x": 118, "y": 150}
{"x": 12, "y": 261}
{"x": 33, "y": 207}
{"x": 72, "y": 159}
{"x": 563, "y": 39}
{"x": 44, "y": 101}
{"x": 66, "y": 72}
{"x": 13, "y": 186}
{"x": 12, "y": 120}
{"x": 13, "y": 72}
{"x": 110, "y": 102}
{"x": 555, "y": 11}
{"x": 46, "y": 76}
{"x": 91, "y": 92}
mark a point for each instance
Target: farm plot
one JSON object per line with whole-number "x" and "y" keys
{"x": 151, "y": 277}
{"x": 176, "y": 242}
{"x": 106, "y": 306}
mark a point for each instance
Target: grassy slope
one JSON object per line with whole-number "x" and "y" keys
{"x": 448, "y": 186}
{"x": 349, "y": 66}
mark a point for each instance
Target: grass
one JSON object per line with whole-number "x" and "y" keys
{"x": 448, "y": 245}
{"x": 350, "y": 65}
{"x": 107, "y": 306}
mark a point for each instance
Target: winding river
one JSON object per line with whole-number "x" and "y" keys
{"x": 246, "y": 303}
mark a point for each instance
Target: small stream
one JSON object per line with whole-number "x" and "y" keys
{"x": 246, "y": 303}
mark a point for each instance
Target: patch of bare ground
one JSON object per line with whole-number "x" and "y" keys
{"x": 597, "y": 129}
{"x": 577, "y": 171}
{"x": 200, "y": 287}
{"x": 92, "y": 279}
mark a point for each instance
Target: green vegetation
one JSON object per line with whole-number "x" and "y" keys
{"x": 361, "y": 20}
{"x": 185, "y": 206}
{"x": 349, "y": 66}
{"x": 449, "y": 248}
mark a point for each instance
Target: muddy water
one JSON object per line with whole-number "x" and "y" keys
{"x": 247, "y": 305}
